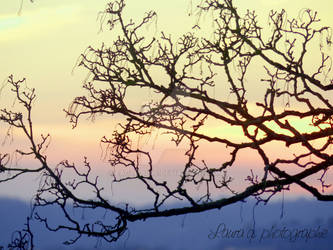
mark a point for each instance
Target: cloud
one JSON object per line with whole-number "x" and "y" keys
{"x": 10, "y": 22}
{"x": 37, "y": 22}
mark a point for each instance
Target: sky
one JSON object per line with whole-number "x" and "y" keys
{"x": 42, "y": 42}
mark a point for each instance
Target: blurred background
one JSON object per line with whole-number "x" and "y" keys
{"x": 42, "y": 42}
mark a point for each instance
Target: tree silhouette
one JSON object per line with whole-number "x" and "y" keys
{"x": 181, "y": 103}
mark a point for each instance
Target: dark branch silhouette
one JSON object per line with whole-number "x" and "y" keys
{"x": 291, "y": 87}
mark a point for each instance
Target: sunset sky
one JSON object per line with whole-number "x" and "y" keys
{"x": 42, "y": 42}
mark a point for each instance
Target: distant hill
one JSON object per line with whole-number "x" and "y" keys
{"x": 198, "y": 231}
